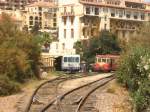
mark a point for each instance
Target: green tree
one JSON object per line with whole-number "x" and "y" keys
{"x": 105, "y": 43}
{"x": 35, "y": 29}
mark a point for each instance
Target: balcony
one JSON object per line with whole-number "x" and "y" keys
{"x": 128, "y": 17}
{"x": 88, "y": 0}
{"x": 67, "y": 14}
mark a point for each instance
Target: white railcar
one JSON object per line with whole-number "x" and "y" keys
{"x": 68, "y": 63}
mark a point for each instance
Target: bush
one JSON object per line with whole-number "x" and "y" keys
{"x": 20, "y": 55}
{"x": 8, "y": 87}
{"x": 134, "y": 73}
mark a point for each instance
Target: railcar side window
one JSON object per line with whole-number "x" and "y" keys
{"x": 65, "y": 59}
{"x": 99, "y": 59}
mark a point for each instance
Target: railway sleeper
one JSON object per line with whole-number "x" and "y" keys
{"x": 36, "y": 100}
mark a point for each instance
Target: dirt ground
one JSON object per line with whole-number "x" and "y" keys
{"x": 115, "y": 98}
{"x": 9, "y": 103}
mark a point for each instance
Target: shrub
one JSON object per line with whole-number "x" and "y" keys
{"x": 8, "y": 87}
{"x": 134, "y": 73}
{"x": 20, "y": 55}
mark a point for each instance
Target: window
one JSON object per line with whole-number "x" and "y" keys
{"x": 63, "y": 46}
{"x": 96, "y": 11}
{"x": 72, "y": 10}
{"x": 83, "y": 31}
{"x": 136, "y": 16}
{"x": 142, "y": 16}
{"x": 65, "y": 59}
{"x": 123, "y": 33}
{"x": 65, "y": 10}
{"x": 76, "y": 59}
{"x": 31, "y": 18}
{"x": 105, "y": 9}
{"x": 65, "y": 20}
{"x": 99, "y": 59}
{"x": 105, "y": 26}
{"x": 105, "y": 18}
{"x": 54, "y": 24}
{"x": 31, "y": 22}
{"x": 72, "y": 33}
{"x": 128, "y": 15}
{"x": 72, "y": 20}
{"x": 112, "y": 14}
{"x": 103, "y": 60}
{"x": 36, "y": 18}
{"x": 87, "y": 10}
{"x": 54, "y": 14}
{"x": 64, "y": 33}
{"x": 40, "y": 8}
{"x": 108, "y": 60}
{"x": 70, "y": 59}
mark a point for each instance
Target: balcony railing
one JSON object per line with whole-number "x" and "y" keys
{"x": 67, "y": 13}
{"x": 95, "y": 1}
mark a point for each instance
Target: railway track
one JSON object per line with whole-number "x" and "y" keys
{"x": 74, "y": 100}
{"x": 46, "y": 92}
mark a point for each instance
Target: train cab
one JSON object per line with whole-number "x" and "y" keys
{"x": 68, "y": 63}
{"x": 105, "y": 63}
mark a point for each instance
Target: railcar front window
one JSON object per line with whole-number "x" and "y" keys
{"x": 103, "y": 60}
{"x": 70, "y": 59}
{"x": 99, "y": 59}
{"x": 65, "y": 59}
{"x": 108, "y": 60}
{"x": 77, "y": 59}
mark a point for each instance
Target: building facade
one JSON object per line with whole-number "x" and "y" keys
{"x": 14, "y": 4}
{"x": 42, "y": 13}
{"x": 76, "y": 20}
{"x": 84, "y": 19}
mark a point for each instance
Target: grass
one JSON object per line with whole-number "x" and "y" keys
{"x": 33, "y": 83}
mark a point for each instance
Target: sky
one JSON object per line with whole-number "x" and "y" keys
{"x": 147, "y": 0}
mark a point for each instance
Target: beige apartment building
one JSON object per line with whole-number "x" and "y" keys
{"x": 76, "y": 20}
{"x": 84, "y": 19}
{"x": 42, "y": 13}
{"x": 14, "y": 4}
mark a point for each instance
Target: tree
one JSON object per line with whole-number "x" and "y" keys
{"x": 35, "y": 29}
{"x": 105, "y": 43}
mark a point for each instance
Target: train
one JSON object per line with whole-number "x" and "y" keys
{"x": 67, "y": 63}
{"x": 105, "y": 63}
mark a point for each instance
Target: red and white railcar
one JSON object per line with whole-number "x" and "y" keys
{"x": 105, "y": 63}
